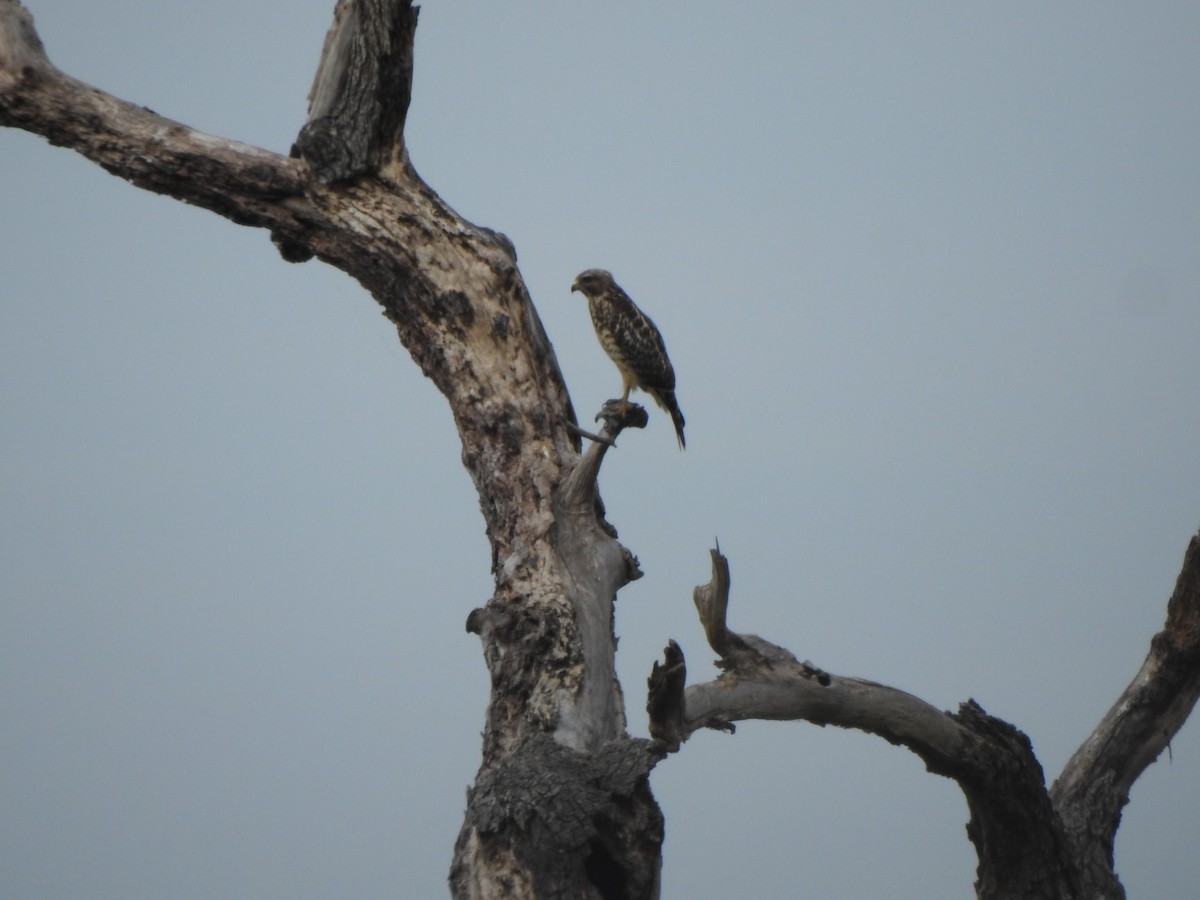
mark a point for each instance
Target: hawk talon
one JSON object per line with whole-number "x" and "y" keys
{"x": 607, "y": 412}
{"x": 617, "y": 418}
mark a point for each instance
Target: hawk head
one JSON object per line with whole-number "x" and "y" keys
{"x": 593, "y": 282}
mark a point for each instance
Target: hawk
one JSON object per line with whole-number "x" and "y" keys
{"x": 632, "y": 342}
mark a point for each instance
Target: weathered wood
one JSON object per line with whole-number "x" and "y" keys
{"x": 360, "y": 96}
{"x": 764, "y": 681}
{"x": 665, "y": 699}
{"x": 1018, "y": 836}
{"x": 454, "y": 293}
{"x": 243, "y": 183}
{"x": 1095, "y": 783}
{"x": 1031, "y": 842}
{"x": 561, "y": 806}
{"x": 563, "y": 818}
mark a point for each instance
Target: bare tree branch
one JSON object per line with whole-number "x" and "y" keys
{"x": 240, "y": 182}
{"x": 1095, "y": 783}
{"x": 1017, "y": 834}
{"x": 764, "y": 681}
{"x": 360, "y": 96}
{"x": 597, "y": 566}
{"x": 1031, "y": 842}
{"x": 579, "y": 491}
{"x": 451, "y": 288}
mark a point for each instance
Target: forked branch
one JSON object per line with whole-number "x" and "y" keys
{"x": 762, "y": 680}
{"x": 1095, "y": 783}
{"x": 1031, "y": 842}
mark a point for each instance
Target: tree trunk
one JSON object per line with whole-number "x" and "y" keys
{"x": 561, "y": 804}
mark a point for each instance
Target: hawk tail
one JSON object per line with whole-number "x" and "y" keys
{"x": 667, "y": 401}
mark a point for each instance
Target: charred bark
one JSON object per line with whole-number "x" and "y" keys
{"x": 573, "y": 824}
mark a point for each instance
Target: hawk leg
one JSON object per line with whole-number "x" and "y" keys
{"x": 628, "y": 383}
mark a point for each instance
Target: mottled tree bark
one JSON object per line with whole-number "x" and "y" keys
{"x": 561, "y": 806}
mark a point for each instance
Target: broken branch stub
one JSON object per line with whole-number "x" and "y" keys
{"x": 361, "y": 92}
{"x": 664, "y": 701}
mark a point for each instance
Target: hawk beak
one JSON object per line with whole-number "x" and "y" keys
{"x": 575, "y": 285}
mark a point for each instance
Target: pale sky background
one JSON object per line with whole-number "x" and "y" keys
{"x": 929, "y": 274}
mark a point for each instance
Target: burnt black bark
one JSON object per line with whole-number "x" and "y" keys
{"x": 571, "y": 819}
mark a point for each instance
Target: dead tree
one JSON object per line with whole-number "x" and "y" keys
{"x": 561, "y": 806}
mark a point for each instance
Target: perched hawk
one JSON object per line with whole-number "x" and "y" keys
{"x": 631, "y": 340}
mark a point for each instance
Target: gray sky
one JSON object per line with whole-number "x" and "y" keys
{"x": 929, "y": 276}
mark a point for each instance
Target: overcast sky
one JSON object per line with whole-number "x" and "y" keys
{"x": 929, "y": 276}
